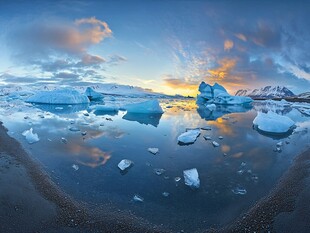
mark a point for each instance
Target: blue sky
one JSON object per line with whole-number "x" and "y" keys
{"x": 168, "y": 46}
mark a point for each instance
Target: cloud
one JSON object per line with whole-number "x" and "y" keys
{"x": 226, "y": 66}
{"x": 240, "y": 36}
{"x": 228, "y": 45}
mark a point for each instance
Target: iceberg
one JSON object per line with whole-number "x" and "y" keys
{"x": 189, "y": 136}
{"x": 147, "y": 107}
{"x": 217, "y": 94}
{"x": 30, "y": 136}
{"x": 125, "y": 164}
{"x": 64, "y": 96}
{"x": 273, "y": 123}
{"x": 191, "y": 178}
{"x": 93, "y": 95}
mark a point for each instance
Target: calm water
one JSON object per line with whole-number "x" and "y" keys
{"x": 245, "y": 158}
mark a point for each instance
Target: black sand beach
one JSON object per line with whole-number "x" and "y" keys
{"x": 31, "y": 202}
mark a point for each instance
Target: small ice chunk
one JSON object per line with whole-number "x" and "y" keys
{"x": 191, "y": 178}
{"x": 165, "y": 194}
{"x": 138, "y": 198}
{"x": 159, "y": 171}
{"x": 189, "y": 136}
{"x": 279, "y": 144}
{"x": 207, "y": 137}
{"x": 30, "y": 136}
{"x": 154, "y": 151}
{"x": 125, "y": 164}
{"x": 84, "y": 133}
{"x": 243, "y": 164}
{"x": 59, "y": 108}
{"x": 63, "y": 140}
{"x": 75, "y": 167}
{"x": 177, "y": 179}
{"x": 215, "y": 144}
{"x": 220, "y": 137}
{"x": 74, "y": 129}
{"x": 239, "y": 190}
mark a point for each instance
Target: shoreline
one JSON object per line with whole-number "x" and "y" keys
{"x": 67, "y": 215}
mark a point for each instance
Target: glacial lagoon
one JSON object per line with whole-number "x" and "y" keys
{"x": 81, "y": 150}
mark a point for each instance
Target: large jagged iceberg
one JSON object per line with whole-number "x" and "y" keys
{"x": 217, "y": 94}
{"x": 63, "y": 96}
{"x": 147, "y": 107}
{"x": 92, "y": 94}
{"x": 273, "y": 123}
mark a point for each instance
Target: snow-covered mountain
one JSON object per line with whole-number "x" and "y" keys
{"x": 266, "y": 92}
{"x": 305, "y": 95}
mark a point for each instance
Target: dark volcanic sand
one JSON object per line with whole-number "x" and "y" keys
{"x": 31, "y": 202}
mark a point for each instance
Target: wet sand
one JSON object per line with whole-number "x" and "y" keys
{"x": 31, "y": 202}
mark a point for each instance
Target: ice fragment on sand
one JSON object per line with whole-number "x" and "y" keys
{"x": 191, "y": 178}
{"x": 30, "y": 136}
{"x": 125, "y": 164}
{"x": 138, "y": 198}
{"x": 189, "y": 136}
{"x": 153, "y": 150}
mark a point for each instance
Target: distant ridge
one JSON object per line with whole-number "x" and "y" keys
{"x": 267, "y": 92}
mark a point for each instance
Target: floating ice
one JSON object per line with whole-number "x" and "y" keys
{"x": 215, "y": 144}
{"x": 104, "y": 108}
{"x": 153, "y": 150}
{"x": 74, "y": 129}
{"x": 125, "y": 164}
{"x": 220, "y": 137}
{"x": 177, "y": 179}
{"x": 207, "y": 137}
{"x": 239, "y": 191}
{"x": 75, "y": 167}
{"x": 217, "y": 94}
{"x": 150, "y": 106}
{"x": 64, "y": 96}
{"x": 159, "y": 171}
{"x": 30, "y": 136}
{"x": 93, "y": 95}
{"x": 138, "y": 198}
{"x": 206, "y": 128}
{"x": 189, "y": 136}
{"x": 191, "y": 178}
{"x": 165, "y": 194}
{"x": 273, "y": 123}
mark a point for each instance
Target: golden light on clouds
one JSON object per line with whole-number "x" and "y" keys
{"x": 226, "y": 66}
{"x": 228, "y": 45}
{"x": 241, "y": 37}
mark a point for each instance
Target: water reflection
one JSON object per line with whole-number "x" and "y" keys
{"x": 145, "y": 119}
{"x": 61, "y": 108}
{"x": 221, "y": 110}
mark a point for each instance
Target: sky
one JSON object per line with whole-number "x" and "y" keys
{"x": 167, "y": 46}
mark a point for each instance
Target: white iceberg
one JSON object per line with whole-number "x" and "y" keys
{"x": 125, "y": 164}
{"x": 273, "y": 123}
{"x": 217, "y": 94}
{"x": 148, "y": 107}
{"x": 191, "y": 178}
{"x": 154, "y": 151}
{"x": 64, "y": 96}
{"x": 189, "y": 136}
{"x": 30, "y": 136}
{"x": 92, "y": 94}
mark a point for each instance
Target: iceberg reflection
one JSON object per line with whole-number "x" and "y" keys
{"x": 146, "y": 119}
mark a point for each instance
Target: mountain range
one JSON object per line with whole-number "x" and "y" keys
{"x": 266, "y": 92}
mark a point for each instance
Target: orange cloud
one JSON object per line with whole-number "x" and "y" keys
{"x": 225, "y": 68}
{"x": 228, "y": 45}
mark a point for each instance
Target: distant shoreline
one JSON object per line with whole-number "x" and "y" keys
{"x": 292, "y": 99}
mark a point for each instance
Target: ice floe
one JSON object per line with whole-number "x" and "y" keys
{"x": 189, "y": 136}
{"x": 63, "y": 96}
{"x": 273, "y": 123}
{"x": 30, "y": 136}
{"x": 191, "y": 178}
{"x": 148, "y": 107}
{"x": 137, "y": 198}
{"x": 125, "y": 164}
{"x": 92, "y": 94}
{"x": 154, "y": 151}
